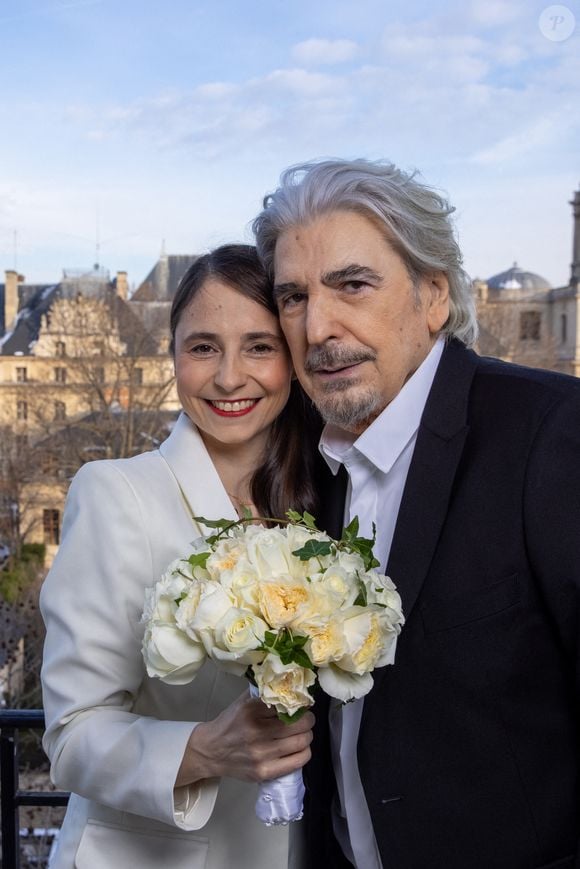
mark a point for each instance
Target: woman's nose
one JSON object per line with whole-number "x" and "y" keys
{"x": 230, "y": 374}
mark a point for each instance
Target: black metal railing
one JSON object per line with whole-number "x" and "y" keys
{"x": 11, "y": 797}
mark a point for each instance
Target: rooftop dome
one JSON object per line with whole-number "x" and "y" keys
{"x": 518, "y": 279}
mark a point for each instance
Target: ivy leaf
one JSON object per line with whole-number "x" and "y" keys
{"x": 246, "y": 512}
{"x": 350, "y": 532}
{"x": 312, "y": 549}
{"x": 199, "y": 559}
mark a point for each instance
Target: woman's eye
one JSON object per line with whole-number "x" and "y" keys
{"x": 262, "y": 349}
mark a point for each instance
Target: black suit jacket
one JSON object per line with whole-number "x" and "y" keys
{"x": 469, "y": 744}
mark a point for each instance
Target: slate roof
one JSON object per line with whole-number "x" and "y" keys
{"x": 34, "y": 301}
{"x": 161, "y": 282}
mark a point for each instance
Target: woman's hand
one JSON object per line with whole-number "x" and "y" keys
{"x": 246, "y": 741}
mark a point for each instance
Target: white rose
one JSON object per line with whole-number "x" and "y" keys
{"x": 188, "y": 605}
{"x": 269, "y": 553}
{"x": 214, "y": 602}
{"x": 381, "y": 589}
{"x": 240, "y": 631}
{"x": 170, "y": 655}
{"x": 343, "y": 685}
{"x": 326, "y": 641}
{"x": 340, "y": 585}
{"x": 284, "y": 686}
{"x": 242, "y": 584}
{"x": 162, "y": 599}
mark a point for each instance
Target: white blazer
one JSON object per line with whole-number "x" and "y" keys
{"x": 115, "y": 737}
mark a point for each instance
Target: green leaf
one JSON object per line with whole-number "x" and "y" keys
{"x": 349, "y": 533}
{"x": 199, "y": 559}
{"x": 309, "y": 521}
{"x": 215, "y": 523}
{"x": 246, "y": 512}
{"x": 290, "y": 719}
{"x": 301, "y": 658}
{"x": 294, "y": 516}
{"x": 312, "y": 549}
{"x": 361, "y": 599}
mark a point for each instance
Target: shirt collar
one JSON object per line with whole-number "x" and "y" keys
{"x": 385, "y": 439}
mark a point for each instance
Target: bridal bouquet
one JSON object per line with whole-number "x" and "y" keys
{"x": 285, "y": 606}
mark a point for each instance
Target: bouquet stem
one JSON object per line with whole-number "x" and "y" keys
{"x": 280, "y": 800}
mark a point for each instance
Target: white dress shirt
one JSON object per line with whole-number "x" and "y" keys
{"x": 377, "y": 463}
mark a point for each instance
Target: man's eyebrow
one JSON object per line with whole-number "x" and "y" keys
{"x": 351, "y": 272}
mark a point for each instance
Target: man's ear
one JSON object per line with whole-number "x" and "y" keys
{"x": 437, "y": 302}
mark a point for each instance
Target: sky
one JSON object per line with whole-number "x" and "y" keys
{"x": 130, "y": 127}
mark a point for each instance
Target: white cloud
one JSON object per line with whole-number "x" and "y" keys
{"x": 319, "y": 52}
{"x": 493, "y": 13}
{"x": 537, "y": 135}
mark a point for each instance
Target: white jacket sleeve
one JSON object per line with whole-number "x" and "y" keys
{"x": 93, "y": 670}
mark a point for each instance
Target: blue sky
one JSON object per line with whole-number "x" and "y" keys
{"x": 144, "y": 122}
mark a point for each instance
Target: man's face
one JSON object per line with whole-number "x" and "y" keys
{"x": 357, "y": 325}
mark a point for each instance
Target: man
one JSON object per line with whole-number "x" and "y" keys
{"x": 470, "y": 468}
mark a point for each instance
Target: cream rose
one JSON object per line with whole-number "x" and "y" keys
{"x": 169, "y": 654}
{"x": 284, "y": 686}
{"x": 370, "y": 640}
{"x": 280, "y": 599}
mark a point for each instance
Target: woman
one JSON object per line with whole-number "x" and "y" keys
{"x": 150, "y": 786}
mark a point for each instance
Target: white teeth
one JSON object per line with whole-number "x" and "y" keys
{"x": 234, "y": 406}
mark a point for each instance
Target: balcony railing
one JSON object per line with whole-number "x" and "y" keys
{"x": 12, "y": 798}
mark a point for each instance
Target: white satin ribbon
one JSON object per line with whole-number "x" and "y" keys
{"x": 280, "y": 800}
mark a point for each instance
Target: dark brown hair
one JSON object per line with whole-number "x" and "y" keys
{"x": 286, "y": 478}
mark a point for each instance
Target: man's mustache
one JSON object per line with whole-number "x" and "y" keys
{"x": 329, "y": 358}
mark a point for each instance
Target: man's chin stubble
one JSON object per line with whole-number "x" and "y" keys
{"x": 353, "y": 414}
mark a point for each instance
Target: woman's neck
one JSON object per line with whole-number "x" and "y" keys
{"x": 236, "y": 464}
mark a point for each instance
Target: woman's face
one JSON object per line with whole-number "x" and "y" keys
{"x": 232, "y": 366}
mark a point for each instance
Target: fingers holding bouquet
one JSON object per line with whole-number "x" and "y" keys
{"x": 247, "y": 741}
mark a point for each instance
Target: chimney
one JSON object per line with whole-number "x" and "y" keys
{"x": 575, "y": 273}
{"x": 12, "y": 279}
{"x": 122, "y": 285}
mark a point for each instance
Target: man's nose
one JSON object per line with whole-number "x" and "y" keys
{"x": 230, "y": 374}
{"x": 322, "y": 321}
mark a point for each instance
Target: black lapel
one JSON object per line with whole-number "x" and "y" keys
{"x": 332, "y": 492}
{"x": 427, "y": 491}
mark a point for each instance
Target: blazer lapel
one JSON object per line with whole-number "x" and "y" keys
{"x": 439, "y": 446}
{"x": 199, "y": 482}
{"x": 332, "y": 491}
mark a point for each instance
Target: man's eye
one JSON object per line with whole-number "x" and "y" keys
{"x": 355, "y": 286}
{"x": 201, "y": 349}
{"x": 292, "y": 300}
{"x": 262, "y": 349}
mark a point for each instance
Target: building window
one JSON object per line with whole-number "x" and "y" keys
{"x": 60, "y": 349}
{"x": 530, "y": 322}
{"x": 60, "y": 375}
{"x": 137, "y": 376}
{"x": 51, "y": 526}
{"x": 21, "y": 410}
{"x": 563, "y": 328}
{"x": 21, "y": 375}
{"x": 20, "y": 443}
{"x": 99, "y": 374}
{"x": 59, "y": 410}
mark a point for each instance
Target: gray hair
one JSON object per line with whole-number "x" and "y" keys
{"x": 414, "y": 218}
